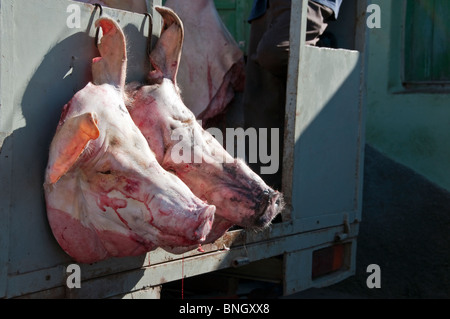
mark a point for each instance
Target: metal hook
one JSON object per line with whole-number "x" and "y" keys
{"x": 97, "y": 5}
{"x": 150, "y": 33}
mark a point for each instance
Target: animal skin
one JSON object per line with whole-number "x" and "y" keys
{"x": 183, "y": 147}
{"x": 106, "y": 194}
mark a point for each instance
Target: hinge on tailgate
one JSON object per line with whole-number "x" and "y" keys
{"x": 343, "y": 235}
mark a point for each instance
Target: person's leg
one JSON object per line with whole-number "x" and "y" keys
{"x": 264, "y": 99}
{"x": 317, "y": 21}
{"x": 266, "y": 73}
{"x": 272, "y": 52}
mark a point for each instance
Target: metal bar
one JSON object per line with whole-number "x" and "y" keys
{"x": 361, "y": 44}
{"x": 297, "y": 44}
{"x": 6, "y": 139}
{"x": 53, "y": 277}
{"x": 147, "y": 293}
{"x": 157, "y": 21}
{"x": 151, "y": 3}
{"x": 155, "y": 275}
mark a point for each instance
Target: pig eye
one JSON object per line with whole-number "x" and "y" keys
{"x": 108, "y": 172}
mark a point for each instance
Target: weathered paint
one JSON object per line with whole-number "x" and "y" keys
{"x": 323, "y": 133}
{"x": 409, "y": 126}
{"x": 293, "y": 98}
{"x": 6, "y": 122}
{"x": 31, "y": 262}
{"x": 160, "y": 273}
{"x": 324, "y": 141}
{"x": 323, "y": 150}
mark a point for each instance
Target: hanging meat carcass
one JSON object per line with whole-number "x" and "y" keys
{"x": 106, "y": 194}
{"x": 182, "y": 146}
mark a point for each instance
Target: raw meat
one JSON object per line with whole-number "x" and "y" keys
{"x": 106, "y": 194}
{"x": 183, "y": 147}
{"x": 212, "y": 64}
{"x": 210, "y": 77}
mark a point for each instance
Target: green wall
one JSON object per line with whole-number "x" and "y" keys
{"x": 234, "y": 14}
{"x": 412, "y": 126}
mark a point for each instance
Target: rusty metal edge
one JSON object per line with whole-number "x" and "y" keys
{"x": 187, "y": 266}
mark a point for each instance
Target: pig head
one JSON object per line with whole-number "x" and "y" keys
{"x": 183, "y": 147}
{"x": 106, "y": 194}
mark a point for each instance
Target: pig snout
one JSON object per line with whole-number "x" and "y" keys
{"x": 248, "y": 209}
{"x": 181, "y": 218}
{"x": 270, "y": 204}
{"x": 196, "y": 229}
{"x": 243, "y": 198}
{"x": 191, "y": 233}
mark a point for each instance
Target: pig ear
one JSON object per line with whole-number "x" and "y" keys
{"x": 68, "y": 144}
{"x": 111, "y": 67}
{"x": 165, "y": 57}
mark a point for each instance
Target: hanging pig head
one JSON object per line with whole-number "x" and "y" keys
{"x": 182, "y": 146}
{"x": 106, "y": 194}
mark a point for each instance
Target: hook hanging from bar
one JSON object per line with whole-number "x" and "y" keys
{"x": 150, "y": 33}
{"x": 99, "y": 6}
